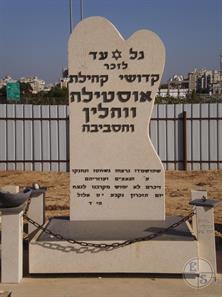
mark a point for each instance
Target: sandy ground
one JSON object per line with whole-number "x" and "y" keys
{"x": 178, "y": 187}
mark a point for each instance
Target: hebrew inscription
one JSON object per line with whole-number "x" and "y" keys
{"x": 115, "y": 172}
{"x": 101, "y": 100}
{"x": 113, "y": 185}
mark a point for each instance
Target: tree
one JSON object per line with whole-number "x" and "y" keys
{"x": 25, "y": 89}
{"x": 57, "y": 92}
{"x": 3, "y": 94}
{"x": 56, "y": 95}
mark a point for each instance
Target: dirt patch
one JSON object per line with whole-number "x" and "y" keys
{"x": 180, "y": 183}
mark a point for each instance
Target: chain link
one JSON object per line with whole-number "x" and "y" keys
{"x": 104, "y": 245}
{"x": 27, "y": 206}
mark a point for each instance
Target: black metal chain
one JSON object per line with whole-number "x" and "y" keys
{"x": 27, "y": 206}
{"x": 105, "y": 245}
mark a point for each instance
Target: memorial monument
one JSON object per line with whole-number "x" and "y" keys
{"x": 115, "y": 171}
{"x": 117, "y": 188}
{"x": 117, "y": 199}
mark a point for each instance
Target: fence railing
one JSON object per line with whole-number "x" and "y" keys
{"x": 186, "y": 136}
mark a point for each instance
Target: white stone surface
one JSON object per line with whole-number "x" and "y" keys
{"x": 12, "y": 248}
{"x": 196, "y": 194}
{"x": 115, "y": 171}
{"x": 203, "y": 224}
{"x": 36, "y": 212}
{"x": 155, "y": 256}
{"x": 118, "y": 286}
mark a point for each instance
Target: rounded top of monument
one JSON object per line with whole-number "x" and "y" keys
{"x": 94, "y": 22}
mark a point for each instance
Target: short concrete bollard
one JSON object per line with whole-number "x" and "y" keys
{"x": 36, "y": 209}
{"x": 203, "y": 227}
{"x": 12, "y": 247}
{"x": 12, "y": 204}
{"x": 12, "y": 233}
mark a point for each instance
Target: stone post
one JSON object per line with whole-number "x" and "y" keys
{"x": 203, "y": 226}
{"x": 36, "y": 209}
{"x": 12, "y": 247}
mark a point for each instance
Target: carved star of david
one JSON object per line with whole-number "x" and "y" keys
{"x": 116, "y": 54}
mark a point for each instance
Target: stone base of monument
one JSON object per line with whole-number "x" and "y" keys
{"x": 168, "y": 253}
{"x": 165, "y": 254}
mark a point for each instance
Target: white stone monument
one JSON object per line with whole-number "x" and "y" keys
{"x": 115, "y": 171}
{"x": 117, "y": 179}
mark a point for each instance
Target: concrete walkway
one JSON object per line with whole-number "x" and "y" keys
{"x": 80, "y": 286}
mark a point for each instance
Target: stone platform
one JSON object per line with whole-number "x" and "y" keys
{"x": 171, "y": 250}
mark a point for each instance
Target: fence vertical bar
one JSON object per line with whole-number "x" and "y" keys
{"x": 185, "y": 139}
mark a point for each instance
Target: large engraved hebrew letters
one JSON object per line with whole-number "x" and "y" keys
{"x": 115, "y": 172}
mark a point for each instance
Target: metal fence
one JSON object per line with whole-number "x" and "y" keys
{"x": 186, "y": 136}
{"x": 34, "y": 137}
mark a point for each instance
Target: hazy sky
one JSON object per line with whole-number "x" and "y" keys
{"x": 34, "y": 33}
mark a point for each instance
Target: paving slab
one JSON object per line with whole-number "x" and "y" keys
{"x": 115, "y": 230}
{"x": 118, "y": 286}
